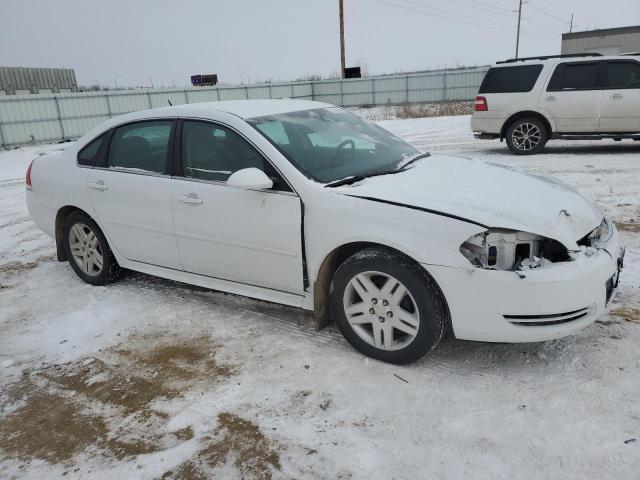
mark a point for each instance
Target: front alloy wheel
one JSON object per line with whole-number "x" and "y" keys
{"x": 387, "y": 306}
{"x": 381, "y": 310}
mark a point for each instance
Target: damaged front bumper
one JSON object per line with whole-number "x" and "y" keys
{"x": 533, "y": 305}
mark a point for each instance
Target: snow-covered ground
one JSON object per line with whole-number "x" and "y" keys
{"x": 149, "y": 378}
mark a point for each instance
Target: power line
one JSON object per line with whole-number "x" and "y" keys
{"x": 540, "y": 24}
{"x": 454, "y": 20}
{"x": 454, "y": 14}
{"x": 549, "y": 14}
{"x": 434, "y": 15}
{"x": 493, "y": 6}
{"x": 477, "y": 4}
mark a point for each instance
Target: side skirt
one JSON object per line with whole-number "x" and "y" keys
{"x": 594, "y": 136}
{"x": 227, "y": 286}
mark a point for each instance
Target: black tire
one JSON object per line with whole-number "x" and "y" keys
{"x": 525, "y": 147}
{"x": 110, "y": 269}
{"x": 429, "y": 302}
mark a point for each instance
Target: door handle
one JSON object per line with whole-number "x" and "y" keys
{"x": 551, "y": 98}
{"x": 99, "y": 185}
{"x": 616, "y": 96}
{"x": 191, "y": 199}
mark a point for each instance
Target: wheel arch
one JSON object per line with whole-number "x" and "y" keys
{"x": 524, "y": 114}
{"x": 61, "y": 215}
{"x": 330, "y": 264}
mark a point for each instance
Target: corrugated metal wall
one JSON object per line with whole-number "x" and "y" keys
{"x": 28, "y": 119}
{"x": 604, "y": 43}
{"x": 15, "y": 80}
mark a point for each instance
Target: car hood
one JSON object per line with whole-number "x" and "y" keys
{"x": 491, "y": 195}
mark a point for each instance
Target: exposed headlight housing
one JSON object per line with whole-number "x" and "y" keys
{"x": 601, "y": 234}
{"x": 498, "y": 249}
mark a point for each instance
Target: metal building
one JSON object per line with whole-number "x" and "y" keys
{"x": 609, "y": 41}
{"x": 24, "y": 80}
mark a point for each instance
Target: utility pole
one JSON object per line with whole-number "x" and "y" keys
{"x": 571, "y": 24}
{"x": 518, "y": 34}
{"x": 342, "y": 61}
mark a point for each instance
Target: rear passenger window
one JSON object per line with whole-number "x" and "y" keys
{"x": 575, "y": 76}
{"x": 518, "y": 79}
{"x": 88, "y": 156}
{"x": 623, "y": 75}
{"x": 142, "y": 146}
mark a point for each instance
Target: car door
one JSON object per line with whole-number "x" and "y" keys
{"x": 574, "y": 97}
{"x": 248, "y": 236}
{"x": 131, "y": 192}
{"x": 621, "y": 97}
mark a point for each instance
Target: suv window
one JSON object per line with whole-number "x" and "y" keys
{"x": 623, "y": 75}
{"x": 213, "y": 152}
{"x": 89, "y": 155}
{"x": 521, "y": 78}
{"x": 575, "y": 76}
{"x": 141, "y": 146}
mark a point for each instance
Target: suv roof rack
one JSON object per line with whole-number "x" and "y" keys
{"x": 547, "y": 57}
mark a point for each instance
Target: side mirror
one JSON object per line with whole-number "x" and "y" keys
{"x": 250, "y": 179}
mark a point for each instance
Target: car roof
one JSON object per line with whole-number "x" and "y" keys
{"x": 242, "y": 108}
{"x": 565, "y": 59}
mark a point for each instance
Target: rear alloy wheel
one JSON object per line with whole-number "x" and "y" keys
{"x": 387, "y": 306}
{"x": 527, "y": 136}
{"x": 88, "y": 251}
{"x": 85, "y": 249}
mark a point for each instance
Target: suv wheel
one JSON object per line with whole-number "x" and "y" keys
{"x": 88, "y": 251}
{"x": 527, "y": 136}
{"x": 387, "y": 307}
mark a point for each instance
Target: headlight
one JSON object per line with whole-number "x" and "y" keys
{"x": 599, "y": 235}
{"x": 510, "y": 250}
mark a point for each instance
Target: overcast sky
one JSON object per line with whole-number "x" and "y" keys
{"x": 135, "y": 42}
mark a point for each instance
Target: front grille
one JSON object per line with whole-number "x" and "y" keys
{"x": 549, "y": 319}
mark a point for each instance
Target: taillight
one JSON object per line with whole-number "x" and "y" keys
{"x": 27, "y": 180}
{"x": 481, "y": 104}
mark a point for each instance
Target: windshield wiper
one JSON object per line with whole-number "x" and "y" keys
{"x": 414, "y": 160}
{"x": 357, "y": 178}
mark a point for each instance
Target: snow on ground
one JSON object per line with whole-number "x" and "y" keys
{"x": 149, "y": 378}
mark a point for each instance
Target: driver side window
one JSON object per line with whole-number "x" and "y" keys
{"x": 214, "y": 152}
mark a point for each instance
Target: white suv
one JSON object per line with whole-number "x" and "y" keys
{"x": 531, "y": 100}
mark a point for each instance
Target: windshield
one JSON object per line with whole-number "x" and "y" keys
{"x": 329, "y": 144}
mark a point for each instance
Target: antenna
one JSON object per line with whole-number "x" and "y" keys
{"x": 571, "y": 26}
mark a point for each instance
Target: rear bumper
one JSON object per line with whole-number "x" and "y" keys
{"x": 483, "y": 124}
{"x": 550, "y": 302}
{"x": 42, "y": 213}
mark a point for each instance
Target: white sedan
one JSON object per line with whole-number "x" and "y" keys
{"x": 305, "y": 204}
